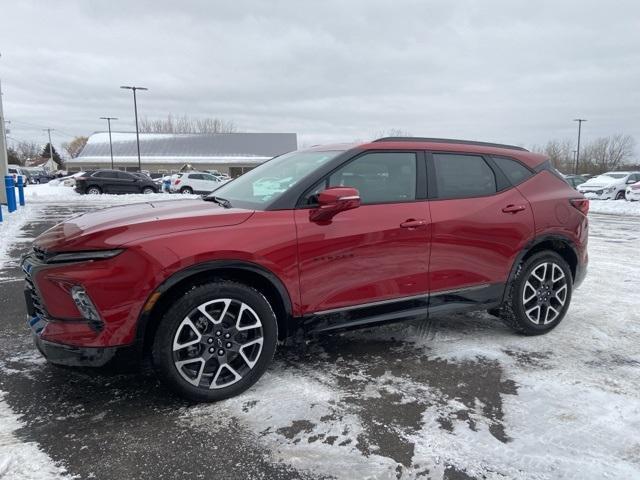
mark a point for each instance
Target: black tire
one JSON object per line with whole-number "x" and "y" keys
{"x": 622, "y": 195}
{"x": 513, "y": 311}
{"x": 148, "y": 190}
{"x": 93, "y": 190}
{"x": 193, "y": 364}
{"x": 186, "y": 190}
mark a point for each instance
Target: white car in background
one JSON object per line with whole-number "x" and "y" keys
{"x": 194, "y": 182}
{"x": 69, "y": 181}
{"x": 633, "y": 192}
{"x": 610, "y": 185}
{"x": 17, "y": 171}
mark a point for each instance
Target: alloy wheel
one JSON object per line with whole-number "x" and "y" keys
{"x": 217, "y": 343}
{"x": 545, "y": 293}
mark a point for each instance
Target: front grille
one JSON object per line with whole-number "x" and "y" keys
{"x": 35, "y": 298}
{"x": 39, "y": 253}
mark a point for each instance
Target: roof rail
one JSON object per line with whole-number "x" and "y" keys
{"x": 449, "y": 140}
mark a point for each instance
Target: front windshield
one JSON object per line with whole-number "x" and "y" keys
{"x": 260, "y": 186}
{"x": 615, "y": 175}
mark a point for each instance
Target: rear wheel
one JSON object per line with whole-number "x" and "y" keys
{"x": 215, "y": 341}
{"x": 147, "y": 190}
{"x": 186, "y": 190}
{"x": 539, "y": 296}
{"x": 93, "y": 190}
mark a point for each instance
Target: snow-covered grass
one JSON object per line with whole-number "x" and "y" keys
{"x": 615, "y": 207}
{"x": 10, "y": 228}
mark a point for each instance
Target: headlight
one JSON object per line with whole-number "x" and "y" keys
{"x": 84, "y": 256}
{"x": 610, "y": 189}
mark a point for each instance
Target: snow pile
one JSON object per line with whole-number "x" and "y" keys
{"x": 60, "y": 194}
{"x": 22, "y": 460}
{"x": 10, "y": 228}
{"x": 615, "y": 207}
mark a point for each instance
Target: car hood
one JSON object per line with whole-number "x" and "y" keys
{"x": 116, "y": 226}
{"x": 601, "y": 182}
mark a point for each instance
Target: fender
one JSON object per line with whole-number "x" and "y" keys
{"x": 532, "y": 244}
{"x": 180, "y": 275}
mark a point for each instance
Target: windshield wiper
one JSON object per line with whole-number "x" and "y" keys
{"x": 219, "y": 200}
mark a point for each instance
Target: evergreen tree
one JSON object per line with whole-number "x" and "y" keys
{"x": 56, "y": 156}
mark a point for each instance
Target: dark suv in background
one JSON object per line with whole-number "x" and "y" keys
{"x": 114, "y": 181}
{"x": 317, "y": 240}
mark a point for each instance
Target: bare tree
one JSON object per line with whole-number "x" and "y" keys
{"x": 607, "y": 153}
{"x": 27, "y": 151}
{"x": 186, "y": 124}
{"x": 392, "y": 132}
{"x": 560, "y": 152}
{"x": 75, "y": 146}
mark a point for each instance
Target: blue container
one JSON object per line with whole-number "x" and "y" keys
{"x": 11, "y": 193}
{"x": 21, "y": 190}
{"x": 0, "y": 213}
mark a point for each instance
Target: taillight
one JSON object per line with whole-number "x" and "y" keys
{"x": 177, "y": 181}
{"x": 581, "y": 204}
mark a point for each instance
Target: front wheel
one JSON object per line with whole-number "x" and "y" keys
{"x": 94, "y": 191}
{"x": 621, "y": 195}
{"x": 215, "y": 341}
{"x": 148, "y": 190}
{"x": 538, "y": 298}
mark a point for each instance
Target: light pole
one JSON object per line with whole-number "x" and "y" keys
{"x": 108, "y": 119}
{"x": 135, "y": 109}
{"x": 579, "y": 120}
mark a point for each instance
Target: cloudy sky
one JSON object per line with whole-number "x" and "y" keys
{"x": 510, "y": 71}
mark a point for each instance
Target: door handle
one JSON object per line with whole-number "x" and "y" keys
{"x": 514, "y": 208}
{"x": 413, "y": 223}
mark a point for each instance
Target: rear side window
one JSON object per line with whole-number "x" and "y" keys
{"x": 463, "y": 176}
{"x": 125, "y": 176}
{"x": 514, "y": 170}
{"x": 196, "y": 176}
{"x": 106, "y": 175}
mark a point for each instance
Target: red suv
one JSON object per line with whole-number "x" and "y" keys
{"x": 312, "y": 241}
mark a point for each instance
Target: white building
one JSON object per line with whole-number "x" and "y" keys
{"x": 231, "y": 153}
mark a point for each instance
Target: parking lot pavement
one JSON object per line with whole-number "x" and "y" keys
{"x": 457, "y": 397}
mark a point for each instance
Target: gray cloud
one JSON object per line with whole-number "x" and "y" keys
{"x": 511, "y": 71}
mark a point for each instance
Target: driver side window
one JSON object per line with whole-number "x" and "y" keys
{"x": 386, "y": 177}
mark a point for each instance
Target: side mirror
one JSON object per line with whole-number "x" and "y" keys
{"x": 333, "y": 201}
{"x": 629, "y": 182}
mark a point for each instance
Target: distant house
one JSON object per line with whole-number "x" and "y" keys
{"x": 231, "y": 153}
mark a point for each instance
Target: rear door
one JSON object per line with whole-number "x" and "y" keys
{"x": 480, "y": 223}
{"x": 128, "y": 183}
{"x": 377, "y": 252}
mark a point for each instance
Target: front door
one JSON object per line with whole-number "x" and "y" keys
{"x": 377, "y": 252}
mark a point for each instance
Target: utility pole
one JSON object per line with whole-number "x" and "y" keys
{"x": 135, "y": 109}
{"x": 579, "y": 120}
{"x": 3, "y": 152}
{"x": 108, "y": 119}
{"x": 49, "y": 130}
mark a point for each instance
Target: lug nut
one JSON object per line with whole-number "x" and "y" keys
{"x": 228, "y": 344}
{"x": 211, "y": 350}
{"x": 220, "y": 352}
{"x": 218, "y": 333}
{"x": 227, "y": 335}
{"x": 210, "y": 340}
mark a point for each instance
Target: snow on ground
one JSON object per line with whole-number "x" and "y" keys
{"x": 615, "y": 207}
{"x": 22, "y": 460}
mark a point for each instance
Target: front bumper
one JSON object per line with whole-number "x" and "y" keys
{"x": 598, "y": 194}
{"x": 76, "y": 356}
{"x": 633, "y": 195}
